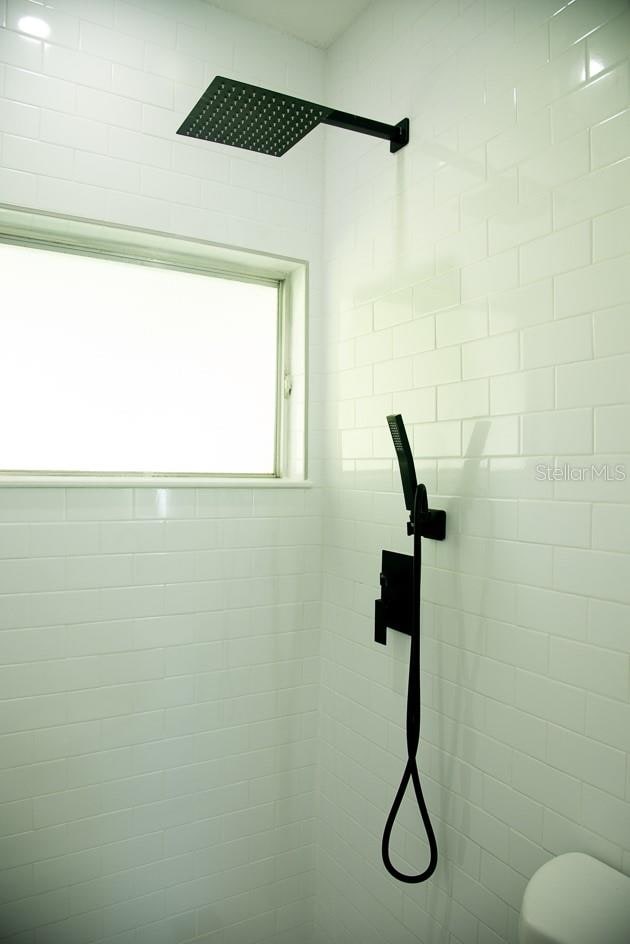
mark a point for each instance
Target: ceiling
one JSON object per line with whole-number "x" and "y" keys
{"x": 318, "y": 22}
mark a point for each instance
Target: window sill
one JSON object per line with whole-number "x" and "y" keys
{"x": 148, "y": 481}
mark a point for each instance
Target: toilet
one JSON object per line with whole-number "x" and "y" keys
{"x": 575, "y": 899}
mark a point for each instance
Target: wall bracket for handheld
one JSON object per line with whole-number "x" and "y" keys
{"x": 429, "y": 524}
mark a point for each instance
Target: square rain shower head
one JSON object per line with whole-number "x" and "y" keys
{"x": 245, "y": 116}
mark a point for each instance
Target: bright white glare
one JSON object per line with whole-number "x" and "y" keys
{"x": 34, "y": 26}
{"x": 108, "y": 366}
{"x": 595, "y": 67}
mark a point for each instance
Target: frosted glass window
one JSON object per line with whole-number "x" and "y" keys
{"x": 110, "y": 366}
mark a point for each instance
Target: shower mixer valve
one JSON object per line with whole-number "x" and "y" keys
{"x": 394, "y": 607}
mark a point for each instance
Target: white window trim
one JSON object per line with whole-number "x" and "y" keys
{"x": 106, "y": 240}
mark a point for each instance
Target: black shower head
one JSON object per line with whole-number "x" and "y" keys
{"x": 245, "y": 116}
{"x": 257, "y": 119}
{"x": 405, "y": 459}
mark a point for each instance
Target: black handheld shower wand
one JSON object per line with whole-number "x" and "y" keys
{"x": 399, "y": 608}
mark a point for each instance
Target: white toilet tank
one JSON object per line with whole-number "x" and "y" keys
{"x": 575, "y": 899}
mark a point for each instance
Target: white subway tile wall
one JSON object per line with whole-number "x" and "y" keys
{"x": 478, "y": 283}
{"x": 158, "y": 647}
{"x": 157, "y": 733}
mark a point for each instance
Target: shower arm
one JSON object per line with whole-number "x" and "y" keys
{"x": 397, "y": 135}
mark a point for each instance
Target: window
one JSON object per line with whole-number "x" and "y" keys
{"x": 117, "y": 364}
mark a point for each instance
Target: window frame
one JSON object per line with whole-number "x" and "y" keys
{"x": 77, "y": 236}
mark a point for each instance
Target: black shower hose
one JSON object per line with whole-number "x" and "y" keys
{"x": 413, "y": 716}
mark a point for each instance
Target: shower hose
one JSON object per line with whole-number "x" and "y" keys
{"x": 413, "y": 716}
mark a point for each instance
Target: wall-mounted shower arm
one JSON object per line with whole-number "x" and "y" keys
{"x": 397, "y": 135}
